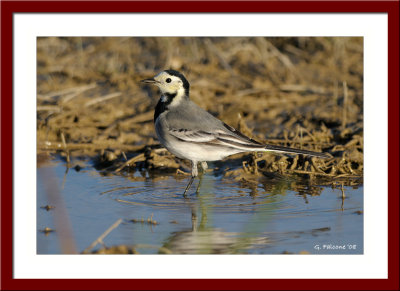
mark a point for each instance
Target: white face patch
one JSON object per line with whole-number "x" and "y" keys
{"x": 164, "y": 98}
{"x": 168, "y": 83}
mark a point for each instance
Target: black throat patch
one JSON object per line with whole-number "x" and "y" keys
{"x": 163, "y": 104}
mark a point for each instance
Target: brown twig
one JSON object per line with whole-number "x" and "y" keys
{"x": 65, "y": 147}
{"x": 72, "y": 91}
{"x": 138, "y": 158}
{"x": 101, "y": 237}
{"x": 345, "y": 101}
{"x": 87, "y": 146}
{"x": 102, "y": 99}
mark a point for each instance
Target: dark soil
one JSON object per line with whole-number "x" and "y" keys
{"x": 300, "y": 92}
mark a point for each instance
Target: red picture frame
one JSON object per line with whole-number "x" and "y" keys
{"x": 10, "y": 7}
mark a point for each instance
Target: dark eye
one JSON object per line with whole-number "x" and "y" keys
{"x": 168, "y": 80}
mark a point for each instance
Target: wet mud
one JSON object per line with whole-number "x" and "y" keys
{"x": 304, "y": 93}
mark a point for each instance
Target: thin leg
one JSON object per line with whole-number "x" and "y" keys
{"x": 194, "y": 174}
{"x": 198, "y": 186}
{"x": 204, "y": 167}
{"x": 188, "y": 186}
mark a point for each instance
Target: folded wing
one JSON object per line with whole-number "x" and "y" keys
{"x": 225, "y": 136}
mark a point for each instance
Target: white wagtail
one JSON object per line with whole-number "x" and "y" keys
{"x": 190, "y": 132}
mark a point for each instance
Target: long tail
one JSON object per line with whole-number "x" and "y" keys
{"x": 235, "y": 139}
{"x": 253, "y": 146}
{"x": 282, "y": 149}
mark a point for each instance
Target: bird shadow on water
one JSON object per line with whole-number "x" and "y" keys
{"x": 203, "y": 237}
{"x": 214, "y": 227}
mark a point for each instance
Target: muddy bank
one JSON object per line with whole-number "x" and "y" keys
{"x": 299, "y": 92}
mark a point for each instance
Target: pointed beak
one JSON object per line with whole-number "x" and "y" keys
{"x": 149, "y": 81}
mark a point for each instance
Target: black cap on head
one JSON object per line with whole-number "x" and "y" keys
{"x": 182, "y": 77}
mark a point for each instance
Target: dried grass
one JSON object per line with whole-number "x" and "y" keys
{"x": 299, "y": 92}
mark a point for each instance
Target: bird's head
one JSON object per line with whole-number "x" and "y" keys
{"x": 173, "y": 85}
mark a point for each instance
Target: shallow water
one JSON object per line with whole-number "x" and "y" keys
{"x": 277, "y": 216}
